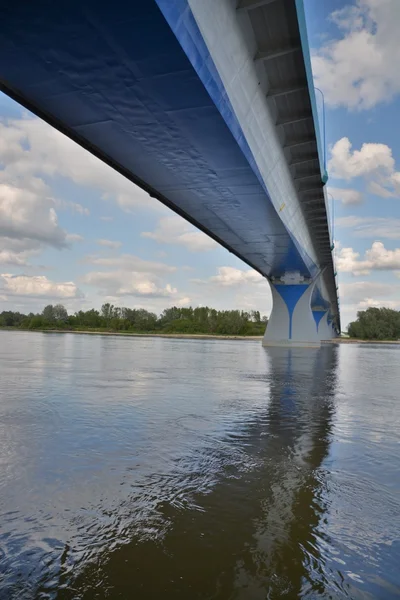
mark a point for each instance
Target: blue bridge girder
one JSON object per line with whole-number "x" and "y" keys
{"x": 208, "y": 105}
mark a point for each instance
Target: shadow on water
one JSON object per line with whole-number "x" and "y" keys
{"x": 254, "y": 533}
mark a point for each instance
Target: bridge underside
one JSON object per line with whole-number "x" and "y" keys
{"x": 136, "y": 85}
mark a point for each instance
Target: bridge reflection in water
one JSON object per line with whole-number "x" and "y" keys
{"x": 258, "y": 533}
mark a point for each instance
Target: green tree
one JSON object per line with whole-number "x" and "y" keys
{"x": 107, "y": 311}
{"x": 48, "y": 313}
{"x": 60, "y": 313}
{"x": 376, "y": 324}
{"x": 202, "y": 319}
{"x": 8, "y": 318}
{"x": 36, "y": 322}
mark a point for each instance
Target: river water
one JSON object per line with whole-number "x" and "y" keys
{"x": 136, "y": 468}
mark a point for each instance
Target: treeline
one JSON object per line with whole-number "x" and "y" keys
{"x": 113, "y": 318}
{"x": 376, "y": 324}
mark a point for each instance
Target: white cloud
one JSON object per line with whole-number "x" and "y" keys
{"x": 82, "y": 210}
{"x": 371, "y": 227}
{"x": 373, "y": 162}
{"x": 17, "y": 252}
{"x": 346, "y": 196}
{"x": 31, "y": 148}
{"x": 106, "y": 219}
{"x": 261, "y": 301}
{"x": 27, "y": 215}
{"x": 359, "y": 291}
{"x": 185, "y": 301}
{"x": 74, "y": 237}
{"x": 376, "y": 258}
{"x": 362, "y": 295}
{"x": 175, "y": 230}
{"x": 130, "y": 262}
{"x": 348, "y": 261}
{"x": 379, "y": 190}
{"x": 347, "y": 164}
{"x": 124, "y": 283}
{"x": 231, "y": 276}
{"x": 129, "y": 275}
{"x": 74, "y": 207}
{"x": 28, "y": 223}
{"x": 373, "y": 303}
{"x": 18, "y": 259}
{"x": 109, "y": 243}
{"x": 358, "y": 69}
{"x": 235, "y": 288}
{"x": 382, "y": 259}
{"x": 37, "y": 286}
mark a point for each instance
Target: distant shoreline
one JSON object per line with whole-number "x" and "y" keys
{"x": 195, "y": 336}
{"x": 191, "y": 336}
{"x": 357, "y": 341}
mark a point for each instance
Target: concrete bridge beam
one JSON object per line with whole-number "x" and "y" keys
{"x": 291, "y": 322}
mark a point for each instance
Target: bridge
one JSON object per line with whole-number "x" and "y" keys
{"x": 209, "y": 106}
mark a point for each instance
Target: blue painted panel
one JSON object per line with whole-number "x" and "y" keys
{"x": 291, "y": 294}
{"x": 318, "y": 314}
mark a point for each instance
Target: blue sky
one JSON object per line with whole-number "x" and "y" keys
{"x": 76, "y": 232}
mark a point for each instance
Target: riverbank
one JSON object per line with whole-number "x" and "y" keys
{"x": 195, "y": 336}
{"x": 356, "y": 341}
{"x": 189, "y": 336}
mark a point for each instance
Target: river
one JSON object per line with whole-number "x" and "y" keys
{"x": 197, "y": 469}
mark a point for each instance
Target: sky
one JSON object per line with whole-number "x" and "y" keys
{"x": 75, "y": 232}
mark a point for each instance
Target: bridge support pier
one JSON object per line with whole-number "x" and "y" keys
{"x": 325, "y": 328}
{"x": 323, "y": 323}
{"x": 291, "y": 322}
